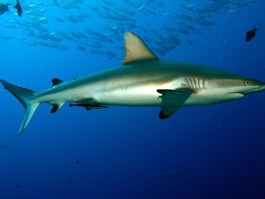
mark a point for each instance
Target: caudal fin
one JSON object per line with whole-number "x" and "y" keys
{"x": 24, "y": 95}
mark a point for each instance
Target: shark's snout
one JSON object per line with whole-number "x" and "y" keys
{"x": 254, "y": 86}
{"x": 262, "y": 88}
{"x": 260, "y": 85}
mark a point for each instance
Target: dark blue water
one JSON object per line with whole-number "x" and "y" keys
{"x": 203, "y": 152}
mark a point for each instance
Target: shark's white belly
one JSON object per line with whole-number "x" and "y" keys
{"x": 135, "y": 96}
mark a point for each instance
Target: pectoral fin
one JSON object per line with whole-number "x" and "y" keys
{"x": 167, "y": 111}
{"x": 172, "y": 100}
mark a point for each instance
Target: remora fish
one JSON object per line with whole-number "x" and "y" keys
{"x": 143, "y": 80}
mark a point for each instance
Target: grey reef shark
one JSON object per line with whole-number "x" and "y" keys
{"x": 143, "y": 80}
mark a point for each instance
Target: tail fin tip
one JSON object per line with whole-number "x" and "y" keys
{"x": 24, "y": 96}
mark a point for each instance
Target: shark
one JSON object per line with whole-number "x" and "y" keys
{"x": 143, "y": 80}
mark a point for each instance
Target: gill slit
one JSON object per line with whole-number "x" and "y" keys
{"x": 196, "y": 82}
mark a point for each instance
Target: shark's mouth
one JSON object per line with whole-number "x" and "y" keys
{"x": 238, "y": 94}
{"x": 252, "y": 90}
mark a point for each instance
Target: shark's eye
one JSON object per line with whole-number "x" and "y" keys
{"x": 247, "y": 82}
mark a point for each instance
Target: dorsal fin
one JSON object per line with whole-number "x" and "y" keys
{"x": 56, "y": 81}
{"x": 136, "y": 49}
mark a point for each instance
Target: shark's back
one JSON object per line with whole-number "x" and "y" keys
{"x": 158, "y": 68}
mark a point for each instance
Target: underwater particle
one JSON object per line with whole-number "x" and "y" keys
{"x": 18, "y": 186}
{"x": 251, "y": 34}
{"x": 74, "y": 77}
{"x": 77, "y": 162}
{"x": 70, "y": 179}
{"x": 190, "y": 42}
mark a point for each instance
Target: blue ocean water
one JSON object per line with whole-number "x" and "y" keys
{"x": 203, "y": 152}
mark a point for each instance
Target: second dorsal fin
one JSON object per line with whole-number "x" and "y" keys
{"x": 136, "y": 50}
{"x": 56, "y": 81}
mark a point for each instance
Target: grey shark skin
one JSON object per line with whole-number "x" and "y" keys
{"x": 143, "y": 80}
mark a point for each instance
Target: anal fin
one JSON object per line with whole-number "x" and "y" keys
{"x": 56, "y": 107}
